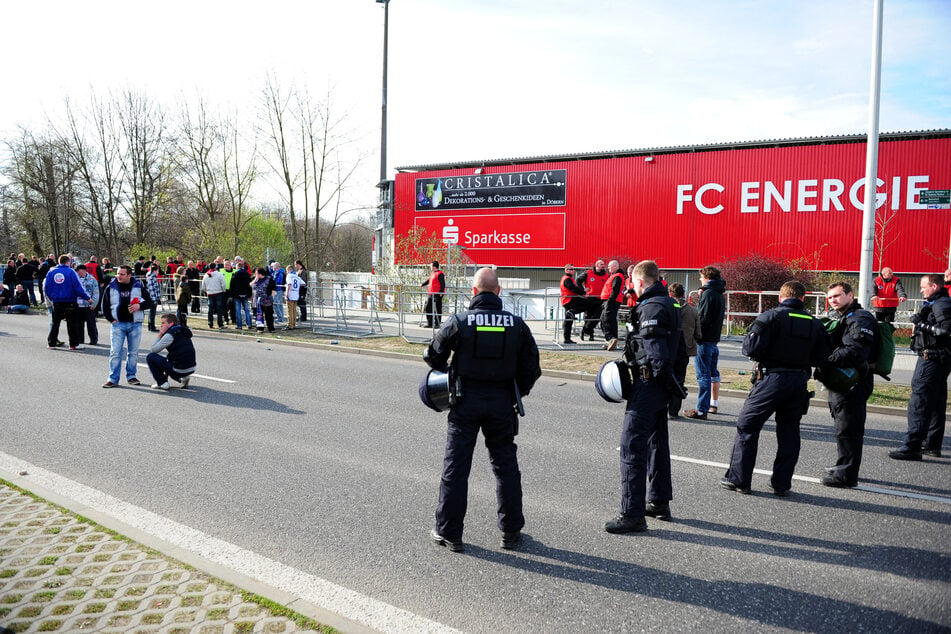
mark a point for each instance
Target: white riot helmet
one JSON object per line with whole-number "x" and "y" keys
{"x": 434, "y": 390}
{"x": 613, "y": 382}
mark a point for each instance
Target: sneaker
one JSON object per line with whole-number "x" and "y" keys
{"x": 626, "y": 524}
{"x": 163, "y": 386}
{"x": 780, "y": 493}
{"x": 905, "y": 453}
{"x": 569, "y": 341}
{"x": 94, "y": 343}
{"x": 729, "y": 485}
{"x": 692, "y": 413}
{"x": 611, "y": 345}
{"x": 134, "y": 381}
{"x": 185, "y": 380}
{"x": 77, "y": 347}
{"x": 934, "y": 453}
{"x": 658, "y": 510}
{"x": 510, "y": 541}
{"x": 712, "y": 410}
{"x": 456, "y": 547}
{"x": 110, "y": 384}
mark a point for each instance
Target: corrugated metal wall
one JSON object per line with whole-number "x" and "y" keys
{"x": 627, "y": 207}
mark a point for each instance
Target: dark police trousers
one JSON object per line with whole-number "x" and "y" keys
{"x": 645, "y": 449}
{"x": 848, "y": 412}
{"x": 785, "y": 394}
{"x": 926, "y": 407}
{"x": 488, "y": 408}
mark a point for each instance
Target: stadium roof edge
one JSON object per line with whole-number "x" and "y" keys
{"x": 680, "y": 149}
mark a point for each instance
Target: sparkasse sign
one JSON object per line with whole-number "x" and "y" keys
{"x": 543, "y": 188}
{"x": 797, "y": 201}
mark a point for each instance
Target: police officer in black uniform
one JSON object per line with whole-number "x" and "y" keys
{"x": 785, "y": 342}
{"x": 494, "y": 363}
{"x": 931, "y": 339}
{"x": 572, "y": 300}
{"x": 854, "y": 340}
{"x": 651, "y": 344}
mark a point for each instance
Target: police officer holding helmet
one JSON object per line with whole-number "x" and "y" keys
{"x": 785, "y": 342}
{"x": 854, "y": 339}
{"x": 931, "y": 339}
{"x": 650, "y": 347}
{"x": 494, "y": 363}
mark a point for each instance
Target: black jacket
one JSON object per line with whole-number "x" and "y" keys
{"x": 855, "y": 341}
{"x": 241, "y": 283}
{"x": 655, "y": 337}
{"x": 488, "y": 344}
{"x": 787, "y": 337}
{"x": 711, "y": 309}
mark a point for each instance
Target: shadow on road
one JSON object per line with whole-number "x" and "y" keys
{"x": 767, "y": 604}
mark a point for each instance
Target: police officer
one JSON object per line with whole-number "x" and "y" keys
{"x": 854, "y": 340}
{"x": 931, "y": 339}
{"x": 612, "y": 295}
{"x": 572, "y": 299}
{"x": 785, "y": 342}
{"x": 651, "y": 344}
{"x": 494, "y": 363}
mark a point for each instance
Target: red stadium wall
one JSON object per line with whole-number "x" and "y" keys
{"x": 687, "y": 210}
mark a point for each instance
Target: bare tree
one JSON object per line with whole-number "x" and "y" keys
{"x": 239, "y": 172}
{"x": 146, "y": 168}
{"x": 278, "y": 128}
{"x": 91, "y": 139}
{"x": 884, "y": 237}
{"x": 44, "y": 175}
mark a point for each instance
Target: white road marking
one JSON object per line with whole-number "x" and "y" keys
{"x": 352, "y": 605}
{"x": 861, "y": 487}
{"x": 196, "y": 375}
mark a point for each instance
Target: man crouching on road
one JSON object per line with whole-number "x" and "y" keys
{"x": 180, "y": 362}
{"x": 493, "y": 355}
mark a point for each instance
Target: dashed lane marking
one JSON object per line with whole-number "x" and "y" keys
{"x": 862, "y": 487}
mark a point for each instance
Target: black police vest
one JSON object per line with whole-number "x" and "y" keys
{"x": 488, "y": 346}
{"x": 794, "y": 335}
{"x": 656, "y": 317}
{"x": 937, "y": 314}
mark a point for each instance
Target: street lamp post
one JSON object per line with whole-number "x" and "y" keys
{"x": 386, "y": 202}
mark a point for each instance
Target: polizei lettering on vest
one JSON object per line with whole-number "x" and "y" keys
{"x": 490, "y": 319}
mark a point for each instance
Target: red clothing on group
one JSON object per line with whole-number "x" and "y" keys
{"x": 594, "y": 282}
{"x": 887, "y": 295}
{"x": 609, "y": 287}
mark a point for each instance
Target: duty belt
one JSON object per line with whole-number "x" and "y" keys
{"x": 781, "y": 370}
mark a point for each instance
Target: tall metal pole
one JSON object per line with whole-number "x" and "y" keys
{"x": 871, "y": 159}
{"x": 386, "y": 31}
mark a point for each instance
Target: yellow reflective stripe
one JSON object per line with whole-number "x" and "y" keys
{"x": 800, "y": 316}
{"x": 490, "y": 328}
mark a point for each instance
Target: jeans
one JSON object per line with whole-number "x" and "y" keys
{"x": 279, "y": 305}
{"x": 127, "y": 333}
{"x": 707, "y": 373}
{"x": 242, "y": 312}
{"x": 216, "y": 306}
{"x": 162, "y": 369}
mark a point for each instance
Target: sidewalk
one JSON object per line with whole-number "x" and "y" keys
{"x": 59, "y": 573}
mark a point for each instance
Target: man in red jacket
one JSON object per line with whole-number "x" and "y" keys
{"x": 887, "y": 293}
{"x": 436, "y": 287}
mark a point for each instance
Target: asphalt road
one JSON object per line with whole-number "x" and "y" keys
{"x": 327, "y": 462}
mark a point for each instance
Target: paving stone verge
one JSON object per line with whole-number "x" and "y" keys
{"x": 61, "y": 573}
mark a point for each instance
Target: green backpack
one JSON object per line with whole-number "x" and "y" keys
{"x": 884, "y": 355}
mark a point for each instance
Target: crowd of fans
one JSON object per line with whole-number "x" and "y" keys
{"x": 237, "y": 294}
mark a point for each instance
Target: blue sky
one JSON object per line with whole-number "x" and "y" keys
{"x": 502, "y": 78}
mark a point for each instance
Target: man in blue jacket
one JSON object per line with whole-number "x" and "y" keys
{"x": 63, "y": 291}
